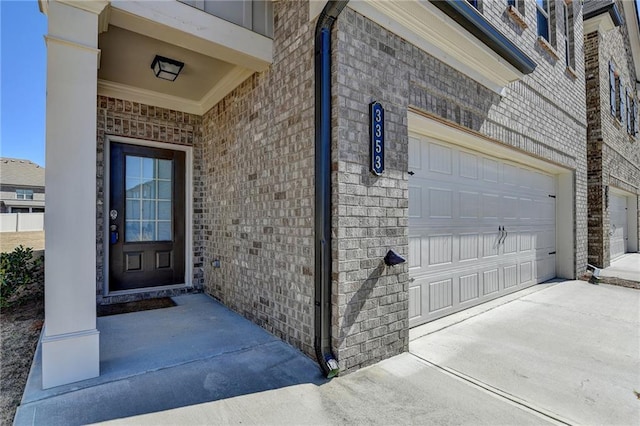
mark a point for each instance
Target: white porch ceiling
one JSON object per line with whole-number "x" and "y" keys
{"x": 218, "y": 55}
{"x": 126, "y": 59}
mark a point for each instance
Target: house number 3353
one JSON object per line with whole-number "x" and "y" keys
{"x": 376, "y": 128}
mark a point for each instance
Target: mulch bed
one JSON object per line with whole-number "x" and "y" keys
{"x": 20, "y": 327}
{"x": 141, "y": 305}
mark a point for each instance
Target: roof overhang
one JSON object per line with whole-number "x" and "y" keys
{"x": 455, "y": 33}
{"x": 603, "y": 18}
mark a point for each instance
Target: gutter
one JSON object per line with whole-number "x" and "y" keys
{"x": 322, "y": 225}
{"x": 471, "y": 20}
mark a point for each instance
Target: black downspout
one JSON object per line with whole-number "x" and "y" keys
{"x": 322, "y": 241}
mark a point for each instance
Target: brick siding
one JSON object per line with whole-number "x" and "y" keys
{"x": 614, "y": 155}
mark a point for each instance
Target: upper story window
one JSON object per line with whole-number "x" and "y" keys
{"x": 518, "y": 4}
{"x": 569, "y": 41}
{"x": 545, "y": 15}
{"x": 24, "y": 194}
{"x": 254, "y": 15}
{"x": 475, "y": 3}
{"x": 632, "y": 114}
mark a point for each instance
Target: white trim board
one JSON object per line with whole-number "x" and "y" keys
{"x": 134, "y": 94}
{"x": 188, "y": 214}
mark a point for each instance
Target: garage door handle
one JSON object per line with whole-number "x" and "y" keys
{"x": 504, "y": 236}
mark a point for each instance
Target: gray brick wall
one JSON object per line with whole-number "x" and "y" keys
{"x": 543, "y": 115}
{"x": 257, "y": 188}
{"x": 614, "y": 155}
{"x": 139, "y": 121}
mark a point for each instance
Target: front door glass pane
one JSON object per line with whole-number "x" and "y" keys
{"x": 148, "y": 193}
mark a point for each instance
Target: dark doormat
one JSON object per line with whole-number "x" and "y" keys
{"x": 141, "y": 305}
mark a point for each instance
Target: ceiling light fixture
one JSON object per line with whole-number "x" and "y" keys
{"x": 165, "y": 68}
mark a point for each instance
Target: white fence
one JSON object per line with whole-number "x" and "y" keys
{"x": 20, "y": 222}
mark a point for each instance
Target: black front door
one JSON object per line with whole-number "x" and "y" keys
{"x": 146, "y": 217}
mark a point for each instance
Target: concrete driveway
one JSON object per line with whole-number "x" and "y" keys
{"x": 570, "y": 351}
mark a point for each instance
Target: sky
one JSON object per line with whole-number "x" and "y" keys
{"x": 23, "y": 56}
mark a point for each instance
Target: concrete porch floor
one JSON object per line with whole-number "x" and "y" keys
{"x": 155, "y": 360}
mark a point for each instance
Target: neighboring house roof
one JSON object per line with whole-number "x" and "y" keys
{"x": 593, "y": 8}
{"x": 14, "y": 171}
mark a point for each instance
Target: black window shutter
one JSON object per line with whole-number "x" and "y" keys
{"x": 623, "y": 109}
{"x": 629, "y": 111}
{"x": 635, "y": 117}
{"x": 612, "y": 89}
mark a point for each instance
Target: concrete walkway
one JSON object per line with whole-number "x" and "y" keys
{"x": 626, "y": 267}
{"x": 561, "y": 352}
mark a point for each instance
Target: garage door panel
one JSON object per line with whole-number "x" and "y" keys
{"x": 491, "y": 281}
{"x": 458, "y": 256}
{"x": 526, "y": 272}
{"x": 490, "y": 206}
{"x": 510, "y": 275}
{"x": 510, "y": 243}
{"x": 469, "y": 166}
{"x": 526, "y": 207}
{"x": 526, "y": 241}
{"x": 415, "y": 302}
{"x": 469, "y": 287}
{"x": 415, "y": 252}
{"x": 440, "y": 159}
{"x": 510, "y": 175}
{"x": 440, "y": 294}
{"x": 509, "y": 208}
{"x": 440, "y": 249}
{"x": 490, "y": 244}
{"x": 469, "y": 247}
{"x": 415, "y": 155}
{"x": 489, "y": 170}
{"x": 415, "y": 201}
{"x": 469, "y": 202}
{"x": 440, "y": 203}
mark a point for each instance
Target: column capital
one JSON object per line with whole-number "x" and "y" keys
{"x": 99, "y": 7}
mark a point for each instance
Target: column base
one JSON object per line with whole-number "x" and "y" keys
{"x": 68, "y": 358}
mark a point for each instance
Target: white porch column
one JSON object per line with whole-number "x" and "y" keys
{"x": 70, "y": 345}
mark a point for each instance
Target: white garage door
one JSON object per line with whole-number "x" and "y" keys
{"x": 618, "y": 232}
{"x": 479, "y": 228}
